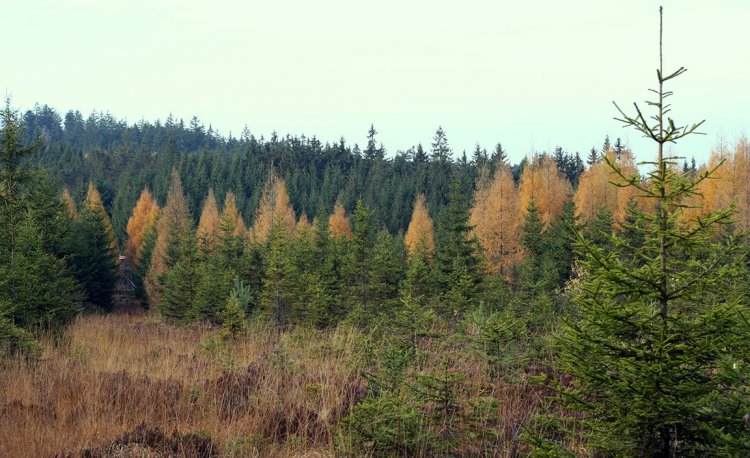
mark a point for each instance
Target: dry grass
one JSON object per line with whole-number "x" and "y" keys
{"x": 265, "y": 394}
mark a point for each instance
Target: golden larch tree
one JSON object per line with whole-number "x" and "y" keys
{"x": 718, "y": 191}
{"x": 338, "y": 223}
{"x": 496, "y": 218}
{"x": 70, "y": 204}
{"x": 741, "y": 183}
{"x": 173, "y": 218}
{"x": 597, "y": 187}
{"x": 274, "y": 208}
{"x": 420, "y": 230}
{"x": 231, "y": 213}
{"x": 142, "y": 220}
{"x": 542, "y": 183}
{"x": 209, "y": 223}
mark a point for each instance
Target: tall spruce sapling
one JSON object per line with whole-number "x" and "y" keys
{"x": 658, "y": 350}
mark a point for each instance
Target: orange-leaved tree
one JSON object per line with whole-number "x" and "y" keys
{"x": 140, "y": 223}
{"x": 545, "y": 186}
{"x": 209, "y": 223}
{"x": 274, "y": 209}
{"x": 421, "y": 231}
{"x": 338, "y": 223}
{"x": 496, "y": 218}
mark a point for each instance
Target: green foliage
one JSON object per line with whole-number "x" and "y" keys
{"x": 281, "y": 282}
{"x": 498, "y": 337}
{"x": 180, "y": 283}
{"x": 214, "y": 285}
{"x": 93, "y": 257}
{"x": 458, "y": 268}
{"x": 15, "y": 340}
{"x": 659, "y": 351}
{"x": 37, "y": 291}
{"x": 233, "y": 314}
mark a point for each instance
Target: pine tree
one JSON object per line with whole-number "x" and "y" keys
{"x": 659, "y": 351}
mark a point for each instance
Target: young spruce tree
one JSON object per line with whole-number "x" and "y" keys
{"x": 659, "y": 349}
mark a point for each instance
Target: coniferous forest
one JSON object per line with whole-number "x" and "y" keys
{"x": 169, "y": 291}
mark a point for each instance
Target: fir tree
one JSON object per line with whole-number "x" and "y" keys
{"x": 659, "y": 351}
{"x": 458, "y": 273}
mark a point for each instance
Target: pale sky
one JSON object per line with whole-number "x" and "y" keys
{"x": 532, "y": 75}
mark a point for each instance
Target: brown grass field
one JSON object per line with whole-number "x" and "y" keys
{"x": 130, "y": 385}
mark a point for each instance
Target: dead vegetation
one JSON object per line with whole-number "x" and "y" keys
{"x": 130, "y": 385}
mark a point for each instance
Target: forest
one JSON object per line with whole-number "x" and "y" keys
{"x": 169, "y": 291}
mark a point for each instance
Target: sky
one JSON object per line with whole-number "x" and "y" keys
{"x": 531, "y": 75}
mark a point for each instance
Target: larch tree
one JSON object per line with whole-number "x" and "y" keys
{"x": 741, "y": 184}
{"x": 230, "y": 213}
{"x": 338, "y": 223}
{"x": 600, "y": 188}
{"x": 274, "y": 208}
{"x": 140, "y": 223}
{"x": 209, "y": 223}
{"x": 421, "y": 230}
{"x": 172, "y": 219}
{"x": 70, "y": 204}
{"x": 496, "y": 218}
{"x": 716, "y": 192}
{"x": 542, "y": 183}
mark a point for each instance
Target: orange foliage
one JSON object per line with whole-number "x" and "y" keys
{"x": 596, "y": 189}
{"x": 230, "y": 213}
{"x": 421, "y": 230}
{"x": 274, "y": 208}
{"x": 338, "y": 223}
{"x": 543, "y": 184}
{"x": 496, "y": 217}
{"x": 209, "y": 222}
{"x": 140, "y": 223}
{"x": 70, "y": 205}
{"x": 728, "y": 183}
{"x": 174, "y": 215}
{"x": 741, "y": 183}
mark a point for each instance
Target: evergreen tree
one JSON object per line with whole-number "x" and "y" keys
{"x": 459, "y": 273}
{"x": 93, "y": 257}
{"x": 358, "y": 267}
{"x": 37, "y": 290}
{"x": 659, "y": 351}
{"x": 180, "y": 282}
{"x": 280, "y": 283}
